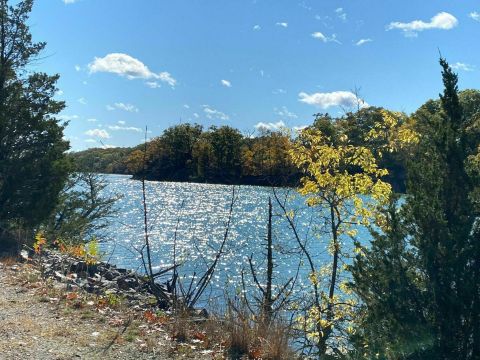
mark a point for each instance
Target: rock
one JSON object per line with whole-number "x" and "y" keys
{"x": 78, "y": 266}
{"x": 111, "y": 275}
{"x": 201, "y": 312}
{"x": 24, "y": 255}
{"x": 126, "y": 283}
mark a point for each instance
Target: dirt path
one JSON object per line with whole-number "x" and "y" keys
{"x": 35, "y": 324}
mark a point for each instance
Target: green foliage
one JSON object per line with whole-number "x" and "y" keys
{"x": 385, "y": 276}
{"x": 443, "y": 220}
{"x": 111, "y": 160}
{"x": 82, "y": 211}
{"x": 33, "y": 166}
{"x": 420, "y": 280}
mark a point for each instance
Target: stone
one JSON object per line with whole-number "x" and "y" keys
{"x": 126, "y": 283}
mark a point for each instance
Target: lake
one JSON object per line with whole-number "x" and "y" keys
{"x": 195, "y": 215}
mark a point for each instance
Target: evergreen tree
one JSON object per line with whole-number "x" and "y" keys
{"x": 387, "y": 279}
{"x": 420, "y": 280}
{"x": 33, "y": 166}
{"x": 442, "y": 222}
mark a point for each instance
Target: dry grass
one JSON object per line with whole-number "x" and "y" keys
{"x": 250, "y": 338}
{"x": 8, "y": 260}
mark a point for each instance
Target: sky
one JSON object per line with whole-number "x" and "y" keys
{"x": 126, "y": 65}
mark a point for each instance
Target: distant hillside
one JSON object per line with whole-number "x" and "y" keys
{"x": 110, "y": 161}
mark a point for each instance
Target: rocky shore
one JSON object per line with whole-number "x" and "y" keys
{"x": 98, "y": 278}
{"x": 55, "y": 306}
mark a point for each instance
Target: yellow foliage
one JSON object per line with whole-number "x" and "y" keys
{"x": 346, "y": 180}
{"x": 40, "y": 242}
{"x": 88, "y": 252}
{"x": 394, "y": 134}
{"x": 339, "y": 174}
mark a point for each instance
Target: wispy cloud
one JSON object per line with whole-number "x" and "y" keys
{"x": 320, "y": 36}
{"x": 341, "y": 14}
{"x": 285, "y": 113}
{"x": 124, "y": 128}
{"x": 282, "y": 24}
{"x": 257, "y": 27}
{"x": 442, "y": 21}
{"x": 67, "y": 2}
{"x": 78, "y": 68}
{"x": 474, "y": 15}
{"x": 463, "y": 66}
{"x": 226, "y": 83}
{"x": 153, "y": 84}
{"x": 67, "y": 117}
{"x": 363, "y": 42}
{"x": 262, "y": 126}
{"x": 82, "y": 101}
{"x": 122, "y": 106}
{"x": 345, "y": 99}
{"x": 127, "y": 66}
{"x": 279, "y": 91}
{"x": 299, "y": 128}
{"x": 212, "y": 113}
{"x": 103, "y": 134}
{"x": 92, "y": 120}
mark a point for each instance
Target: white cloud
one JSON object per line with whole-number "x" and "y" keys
{"x": 442, "y": 21}
{"x": 341, "y": 14}
{"x": 463, "y": 66}
{"x": 153, "y": 84}
{"x": 67, "y": 117}
{"x": 59, "y": 93}
{"x": 129, "y": 67}
{"x": 363, "y": 41}
{"x": 92, "y": 120}
{"x": 257, "y": 27}
{"x": 279, "y": 91}
{"x": 261, "y": 126}
{"x": 90, "y": 140}
{"x": 77, "y": 68}
{"x": 299, "y": 128}
{"x": 226, "y": 83}
{"x": 186, "y": 106}
{"x": 475, "y": 15}
{"x": 285, "y": 113}
{"x": 282, "y": 24}
{"x": 211, "y": 113}
{"x": 124, "y": 128}
{"x": 82, "y": 101}
{"x": 103, "y": 134}
{"x": 195, "y": 115}
{"x": 345, "y": 99}
{"x": 69, "y": 1}
{"x": 320, "y": 36}
{"x": 122, "y": 106}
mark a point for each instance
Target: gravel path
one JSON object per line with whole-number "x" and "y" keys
{"x": 34, "y": 325}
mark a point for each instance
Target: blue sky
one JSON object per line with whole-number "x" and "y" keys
{"x": 127, "y": 64}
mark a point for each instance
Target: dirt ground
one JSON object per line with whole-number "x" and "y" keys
{"x": 38, "y": 322}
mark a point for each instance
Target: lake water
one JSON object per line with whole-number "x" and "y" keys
{"x": 196, "y": 214}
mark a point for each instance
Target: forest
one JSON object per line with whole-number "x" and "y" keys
{"x": 188, "y": 152}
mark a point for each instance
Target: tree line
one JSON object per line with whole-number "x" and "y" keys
{"x": 188, "y": 152}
